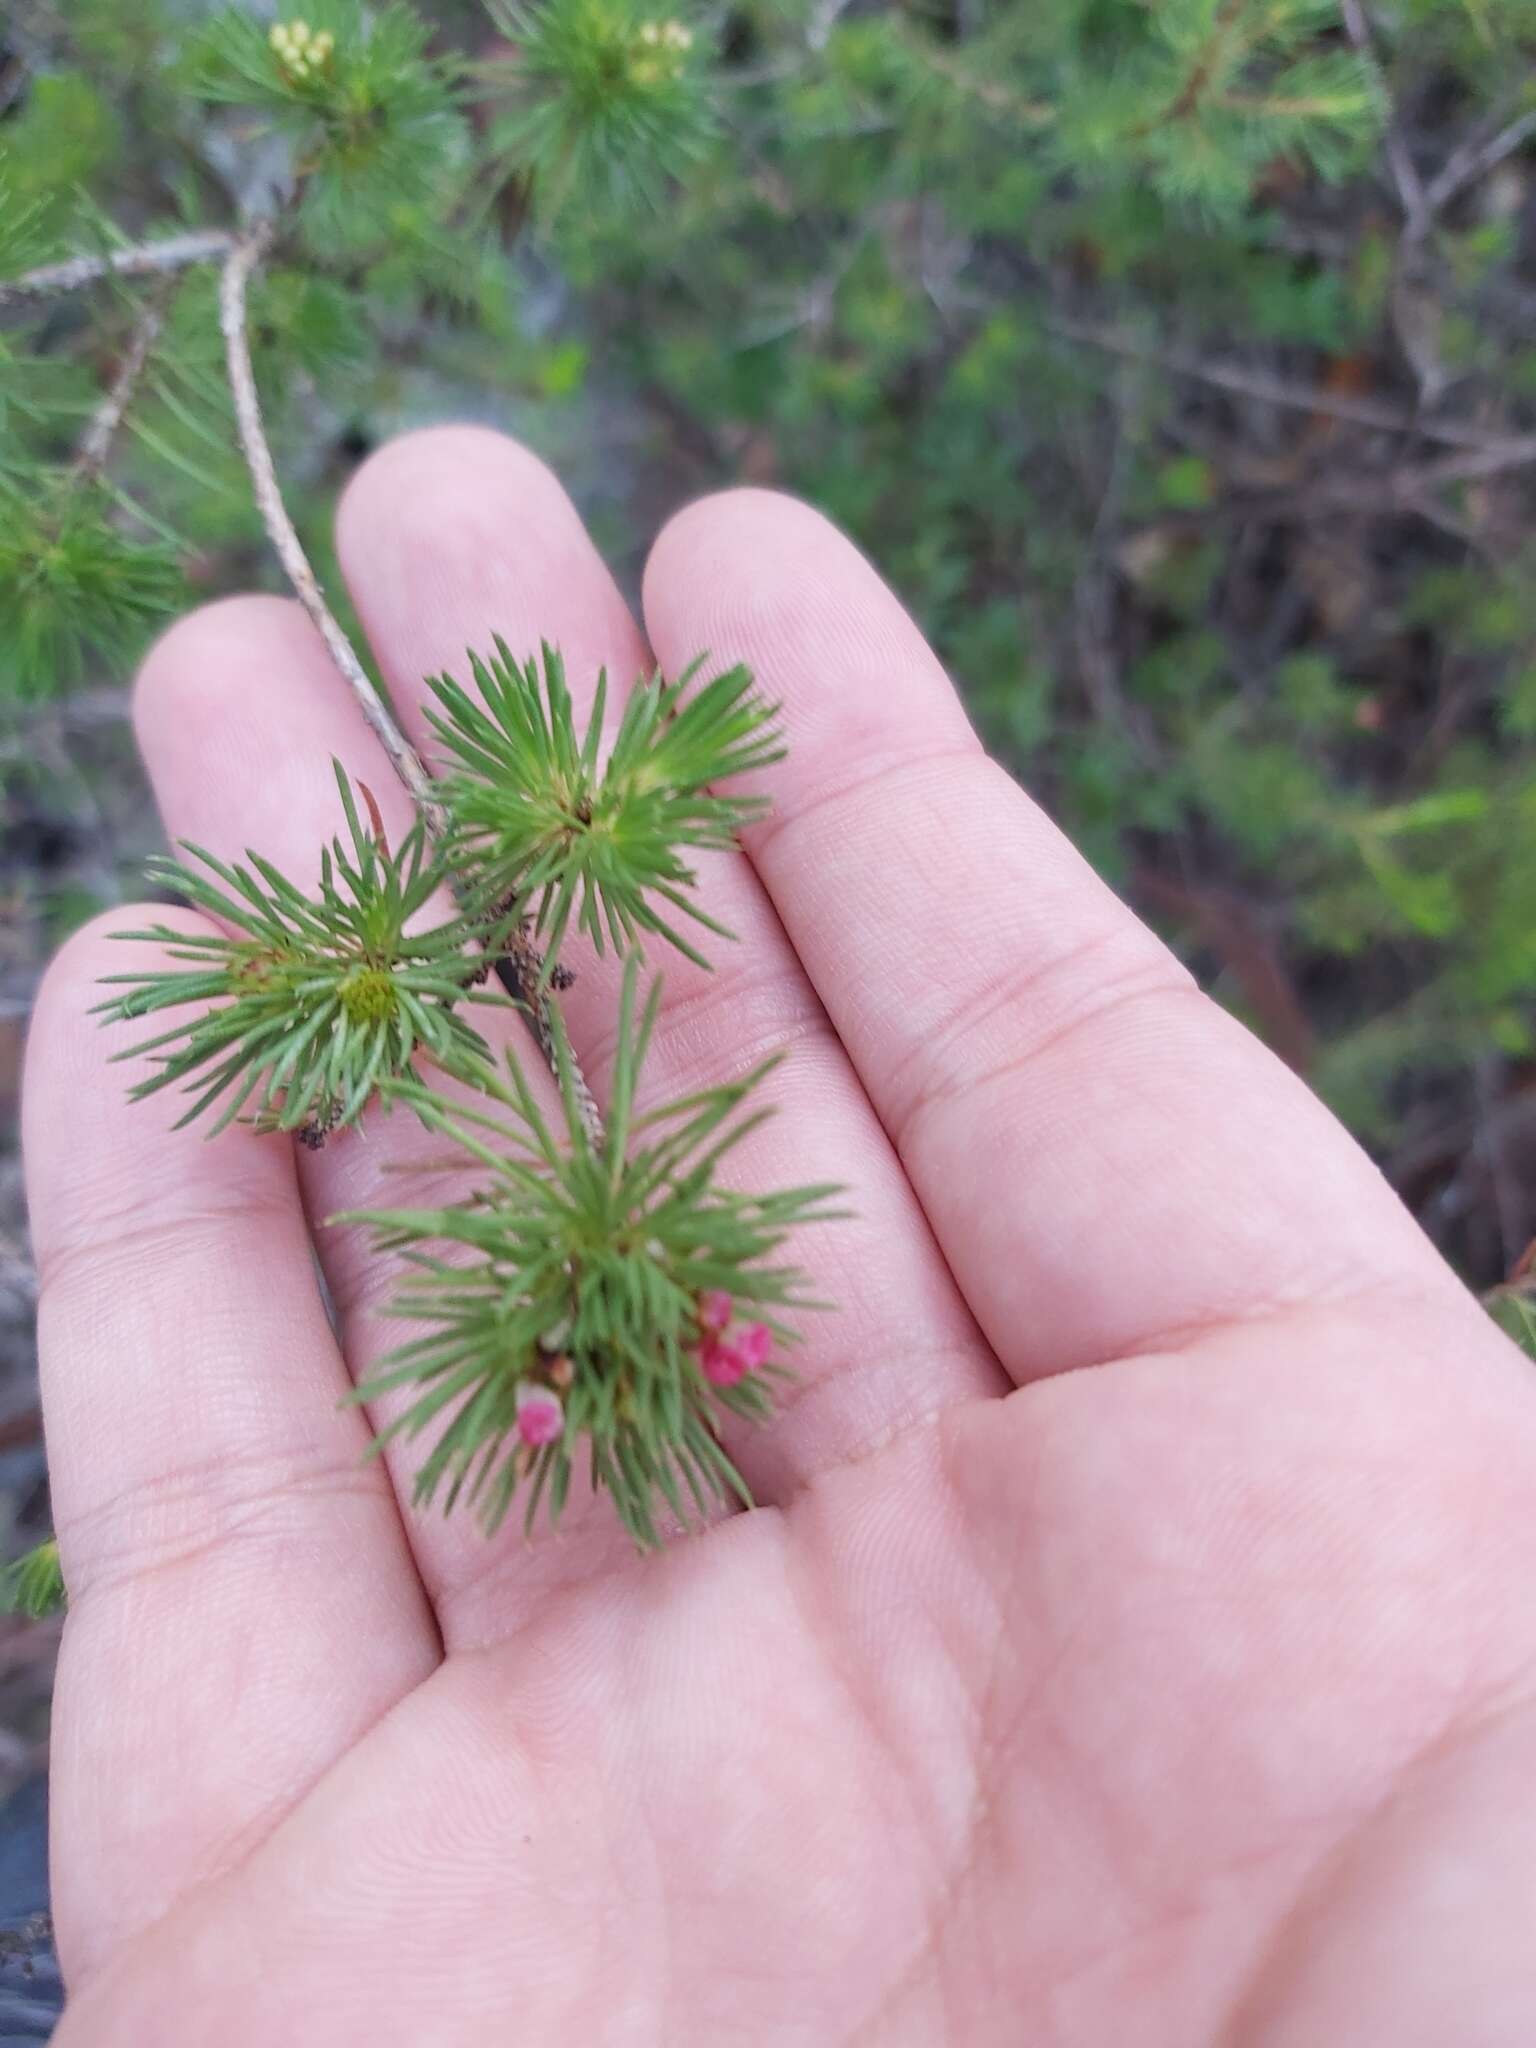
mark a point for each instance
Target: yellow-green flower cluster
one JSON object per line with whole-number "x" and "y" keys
{"x": 661, "y": 48}
{"x": 301, "y": 51}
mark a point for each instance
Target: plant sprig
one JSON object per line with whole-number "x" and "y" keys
{"x": 602, "y": 105}
{"x": 600, "y": 1289}
{"x": 71, "y": 584}
{"x": 588, "y": 1292}
{"x": 33, "y": 1584}
{"x": 370, "y": 117}
{"x": 312, "y": 1001}
{"x": 548, "y": 824}
{"x": 604, "y": 1293}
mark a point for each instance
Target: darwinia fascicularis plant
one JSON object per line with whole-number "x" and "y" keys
{"x": 601, "y": 1294}
{"x": 601, "y": 1300}
{"x": 333, "y": 187}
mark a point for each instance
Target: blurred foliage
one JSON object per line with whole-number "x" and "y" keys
{"x": 369, "y": 128}
{"x": 1173, "y": 361}
{"x": 599, "y": 104}
{"x": 33, "y": 1584}
{"x": 71, "y": 585}
{"x": 1514, "y": 1310}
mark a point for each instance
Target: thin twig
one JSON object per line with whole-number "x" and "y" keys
{"x": 239, "y": 266}
{"x": 520, "y": 971}
{"x": 1201, "y": 71}
{"x": 1410, "y": 488}
{"x": 1360, "y": 412}
{"x": 96, "y": 442}
{"x": 1514, "y": 453}
{"x": 1413, "y": 489}
{"x": 1476, "y": 160}
{"x": 145, "y": 259}
{"x": 1414, "y": 310}
{"x": 1417, "y": 213}
{"x": 1092, "y": 596}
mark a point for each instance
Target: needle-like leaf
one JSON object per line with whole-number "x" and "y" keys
{"x": 303, "y": 1005}
{"x": 572, "y": 839}
{"x": 614, "y": 1296}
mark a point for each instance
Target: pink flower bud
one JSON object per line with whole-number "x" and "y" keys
{"x": 721, "y": 1364}
{"x": 715, "y": 1309}
{"x": 754, "y": 1341}
{"x": 540, "y": 1418}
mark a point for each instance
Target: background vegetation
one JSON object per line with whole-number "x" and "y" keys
{"x": 1175, "y": 361}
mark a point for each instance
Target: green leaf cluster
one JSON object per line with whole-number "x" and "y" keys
{"x": 581, "y": 1261}
{"x": 34, "y": 1584}
{"x": 73, "y": 586}
{"x": 373, "y": 128}
{"x": 306, "y": 1004}
{"x": 581, "y": 1265}
{"x": 583, "y": 840}
{"x": 601, "y": 105}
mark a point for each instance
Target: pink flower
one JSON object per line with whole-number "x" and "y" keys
{"x": 724, "y": 1363}
{"x": 721, "y": 1364}
{"x": 754, "y": 1341}
{"x": 715, "y": 1309}
{"x": 540, "y": 1418}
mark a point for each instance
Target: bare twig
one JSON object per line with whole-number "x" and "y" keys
{"x": 145, "y": 259}
{"x": 96, "y": 442}
{"x": 239, "y": 266}
{"x": 1415, "y": 302}
{"x": 520, "y": 970}
{"x": 1514, "y": 453}
{"x": 1360, "y": 412}
{"x": 1410, "y": 488}
{"x": 1417, "y": 213}
{"x": 1093, "y": 598}
{"x": 1201, "y": 72}
{"x": 1475, "y": 160}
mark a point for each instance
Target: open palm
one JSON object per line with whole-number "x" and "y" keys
{"x": 1136, "y": 1647}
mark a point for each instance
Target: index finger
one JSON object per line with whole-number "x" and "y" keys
{"x": 242, "y": 1602}
{"x": 1110, "y": 1162}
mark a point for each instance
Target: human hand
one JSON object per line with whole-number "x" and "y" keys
{"x": 1185, "y": 1695}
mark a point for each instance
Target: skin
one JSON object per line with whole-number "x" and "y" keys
{"x": 1136, "y": 1642}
